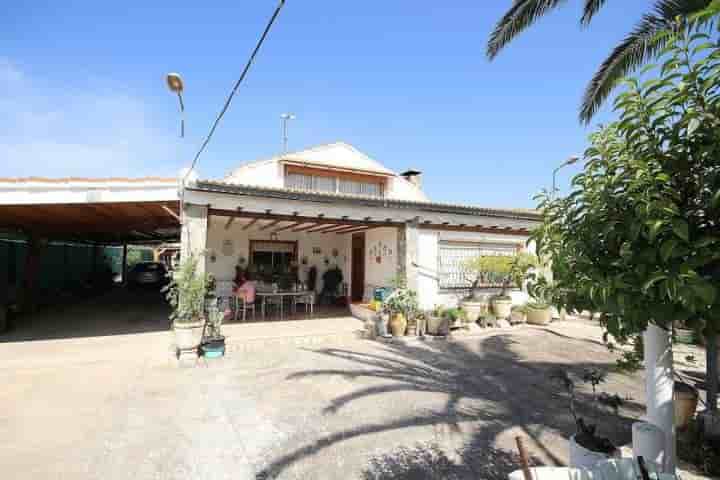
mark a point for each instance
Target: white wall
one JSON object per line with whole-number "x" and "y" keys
{"x": 401, "y": 189}
{"x": 261, "y": 174}
{"x": 429, "y": 293}
{"x": 224, "y": 266}
{"x": 385, "y": 240}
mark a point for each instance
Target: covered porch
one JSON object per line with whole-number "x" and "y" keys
{"x": 337, "y": 247}
{"x": 303, "y": 267}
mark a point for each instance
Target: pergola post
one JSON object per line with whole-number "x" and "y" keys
{"x": 193, "y": 236}
{"x": 35, "y": 247}
{"x": 407, "y": 247}
{"x": 123, "y": 265}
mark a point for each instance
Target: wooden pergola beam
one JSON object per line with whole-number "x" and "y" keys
{"x": 478, "y": 229}
{"x": 305, "y": 227}
{"x": 322, "y": 227}
{"x": 332, "y": 228}
{"x": 271, "y": 224}
{"x": 250, "y": 223}
{"x": 319, "y": 219}
{"x": 287, "y": 227}
{"x": 355, "y": 229}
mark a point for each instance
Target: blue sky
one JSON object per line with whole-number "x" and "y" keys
{"x": 82, "y": 88}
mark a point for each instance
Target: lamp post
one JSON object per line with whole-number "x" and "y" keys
{"x": 175, "y": 84}
{"x": 572, "y": 159}
{"x": 285, "y": 118}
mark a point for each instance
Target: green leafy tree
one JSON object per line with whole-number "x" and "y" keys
{"x": 638, "y": 239}
{"x": 640, "y": 45}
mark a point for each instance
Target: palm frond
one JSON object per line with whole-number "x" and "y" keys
{"x": 520, "y": 16}
{"x": 639, "y": 46}
{"x": 590, "y": 9}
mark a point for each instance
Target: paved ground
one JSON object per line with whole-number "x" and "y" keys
{"x": 116, "y": 406}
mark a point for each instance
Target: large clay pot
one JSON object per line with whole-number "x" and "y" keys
{"x": 474, "y": 309}
{"x": 398, "y": 325}
{"x": 581, "y": 456}
{"x": 188, "y": 335}
{"x": 539, "y": 316}
{"x": 518, "y": 316}
{"x": 502, "y": 307}
{"x": 437, "y": 325}
{"x": 685, "y": 401}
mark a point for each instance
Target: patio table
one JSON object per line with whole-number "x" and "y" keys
{"x": 264, "y": 295}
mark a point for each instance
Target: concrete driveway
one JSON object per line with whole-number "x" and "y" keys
{"x": 117, "y": 406}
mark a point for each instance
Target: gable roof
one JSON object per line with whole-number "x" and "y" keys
{"x": 338, "y": 155}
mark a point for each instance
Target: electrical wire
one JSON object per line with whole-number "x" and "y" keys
{"x": 235, "y": 88}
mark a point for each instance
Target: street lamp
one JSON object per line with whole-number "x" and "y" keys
{"x": 175, "y": 84}
{"x": 572, "y": 159}
{"x": 285, "y": 117}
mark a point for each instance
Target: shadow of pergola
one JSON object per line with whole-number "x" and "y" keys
{"x": 488, "y": 385}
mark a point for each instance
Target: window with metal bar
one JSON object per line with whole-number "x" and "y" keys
{"x": 454, "y": 255}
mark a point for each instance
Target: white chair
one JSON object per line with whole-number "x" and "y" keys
{"x": 307, "y": 300}
{"x": 242, "y": 306}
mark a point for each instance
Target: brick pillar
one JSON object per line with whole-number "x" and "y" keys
{"x": 193, "y": 237}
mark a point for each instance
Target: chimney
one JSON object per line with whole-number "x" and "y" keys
{"x": 413, "y": 176}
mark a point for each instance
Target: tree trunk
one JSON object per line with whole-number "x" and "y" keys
{"x": 659, "y": 388}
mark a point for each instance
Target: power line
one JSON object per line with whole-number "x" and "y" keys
{"x": 235, "y": 88}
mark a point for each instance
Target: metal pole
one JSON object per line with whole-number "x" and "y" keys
{"x": 284, "y": 133}
{"x": 182, "y": 115}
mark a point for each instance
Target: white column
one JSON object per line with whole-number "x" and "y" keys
{"x": 659, "y": 388}
{"x": 193, "y": 237}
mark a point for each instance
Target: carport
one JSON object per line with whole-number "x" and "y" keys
{"x": 93, "y": 213}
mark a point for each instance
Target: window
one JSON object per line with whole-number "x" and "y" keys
{"x": 271, "y": 257}
{"x": 316, "y": 183}
{"x": 453, "y": 255}
{"x": 353, "y": 187}
{"x": 345, "y": 184}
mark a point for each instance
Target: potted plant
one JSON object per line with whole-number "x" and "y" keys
{"x": 518, "y": 314}
{"x": 455, "y": 317}
{"x": 436, "y": 322}
{"x": 186, "y": 294}
{"x": 539, "y": 310}
{"x": 400, "y": 304}
{"x": 503, "y": 270}
{"x": 587, "y": 447}
{"x": 213, "y": 343}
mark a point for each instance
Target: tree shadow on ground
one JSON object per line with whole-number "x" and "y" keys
{"x": 430, "y": 462}
{"x": 490, "y": 385}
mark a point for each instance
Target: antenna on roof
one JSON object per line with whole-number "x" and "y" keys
{"x": 285, "y": 117}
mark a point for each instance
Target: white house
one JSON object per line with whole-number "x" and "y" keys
{"x": 332, "y": 205}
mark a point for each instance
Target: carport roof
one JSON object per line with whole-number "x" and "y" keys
{"x": 94, "y": 210}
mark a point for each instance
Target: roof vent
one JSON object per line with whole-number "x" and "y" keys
{"x": 413, "y": 176}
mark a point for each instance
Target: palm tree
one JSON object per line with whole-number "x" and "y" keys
{"x": 640, "y": 45}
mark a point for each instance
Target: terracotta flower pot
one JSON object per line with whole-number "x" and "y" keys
{"x": 398, "y": 325}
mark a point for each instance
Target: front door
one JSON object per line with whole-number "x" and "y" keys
{"x": 358, "y": 267}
